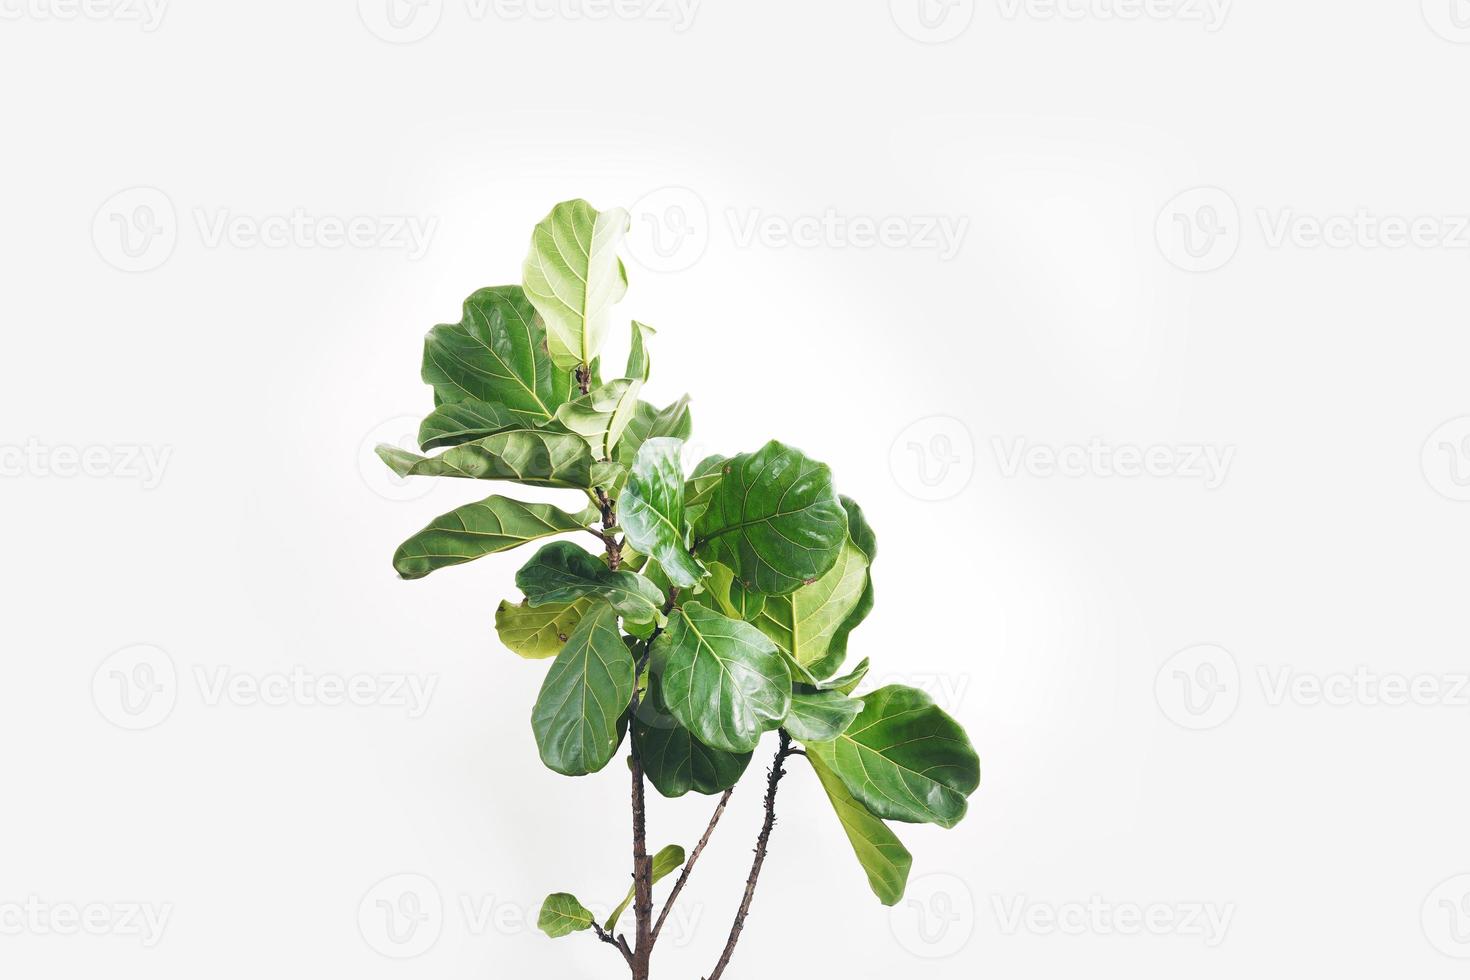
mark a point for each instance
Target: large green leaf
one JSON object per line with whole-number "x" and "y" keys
{"x": 860, "y": 536}
{"x": 665, "y": 862}
{"x": 700, "y": 486}
{"x": 722, "y": 679}
{"x": 848, "y": 682}
{"x": 639, "y": 364}
{"x": 904, "y": 758}
{"x": 496, "y": 353}
{"x": 561, "y": 915}
{"x": 804, "y": 622}
{"x": 724, "y": 593}
{"x": 602, "y": 415}
{"x": 673, "y": 759}
{"x": 454, "y": 423}
{"x": 483, "y": 528}
{"x": 538, "y": 632}
{"x": 584, "y": 696}
{"x": 530, "y": 456}
{"x": 820, "y": 716}
{"x": 651, "y": 510}
{"x": 654, "y": 423}
{"x": 881, "y": 854}
{"x": 573, "y": 277}
{"x": 774, "y": 520}
{"x": 563, "y": 572}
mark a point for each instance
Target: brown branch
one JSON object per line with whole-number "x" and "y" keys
{"x": 618, "y": 944}
{"x": 689, "y": 865}
{"x": 584, "y": 378}
{"x": 772, "y": 782}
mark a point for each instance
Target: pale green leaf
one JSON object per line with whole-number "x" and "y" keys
{"x": 882, "y": 855}
{"x": 665, "y": 862}
{"x": 561, "y": 915}
{"x": 573, "y": 277}
{"x": 538, "y": 632}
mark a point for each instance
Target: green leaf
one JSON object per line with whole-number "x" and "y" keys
{"x": 483, "y": 528}
{"x": 530, "y": 456}
{"x": 723, "y": 593}
{"x": 496, "y": 353}
{"x": 639, "y": 363}
{"x": 904, "y": 758}
{"x": 562, "y": 572}
{"x": 882, "y": 856}
{"x": 673, "y": 759}
{"x": 456, "y": 423}
{"x": 665, "y": 862}
{"x": 562, "y": 915}
{"x": 804, "y": 622}
{"x": 820, "y": 716}
{"x": 651, "y": 510}
{"x": 573, "y": 277}
{"x": 721, "y": 678}
{"x": 602, "y": 415}
{"x": 774, "y": 520}
{"x": 653, "y": 423}
{"x": 847, "y": 683}
{"x": 859, "y": 535}
{"x": 538, "y": 632}
{"x": 586, "y": 692}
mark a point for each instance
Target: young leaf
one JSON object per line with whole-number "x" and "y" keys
{"x": 860, "y": 535}
{"x": 665, "y": 862}
{"x": 538, "y": 632}
{"x": 774, "y": 520}
{"x": 651, "y": 510}
{"x": 700, "y": 486}
{"x": 882, "y": 855}
{"x": 584, "y": 696}
{"x": 562, "y": 572}
{"x": 723, "y": 592}
{"x": 904, "y": 758}
{"x": 820, "y": 716}
{"x": 455, "y": 423}
{"x": 531, "y": 456}
{"x": 602, "y": 415}
{"x": 573, "y": 277}
{"x": 721, "y": 678}
{"x": 562, "y": 915}
{"x": 488, "y": 526}
{"x": 848, "y": 682}
{"x": 638, "y": 360}
{"x": 804, "y": 622}
{"x": 654, "y": 423}
{"x": 496, "y": 353}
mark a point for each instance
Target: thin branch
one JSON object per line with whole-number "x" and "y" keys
{"x": 618, "y": 944}
{"x": 772, "y": 783}
{"x": 689, "y": 865}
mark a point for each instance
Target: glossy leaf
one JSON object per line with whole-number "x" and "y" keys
{"x": 648, "y": 422}
{"x": 483, "y": 528}
{"x": 673, "y": 759}
{"x": 584, "y": 696}
{"x": 774, "y": 519}
{"x": 561, "y": 915}
{"x": 848, "y": 682}
{"x": 538, "y": 632}
{"x": 531, "y": 456}
{"x": 882, "y": 855}
{"x": 496, "y": 354}
{"x": 668, "y": 860}
{"x": 651, "y": 510}
{"x": 639, "y": 363}
{"x": 721, "y": 678}
{"x": 820, "y": 716}
{"x": 860, "y": 536}
{"x": 904, "y": 758}
{"x": 573, "y": 277}
{"x": 456, "y": 423}
{"x": 804, "y": 622}
{"x": 602, "y": 415}
{"x": 700, "y": 486}
{"x": 563, "y": 572}
{"x": 724, "y": 593}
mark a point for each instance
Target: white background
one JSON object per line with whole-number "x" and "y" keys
{"x": 1088, "y": 310}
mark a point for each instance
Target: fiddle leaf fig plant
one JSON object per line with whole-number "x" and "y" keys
{"x": 716, "y": 607}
